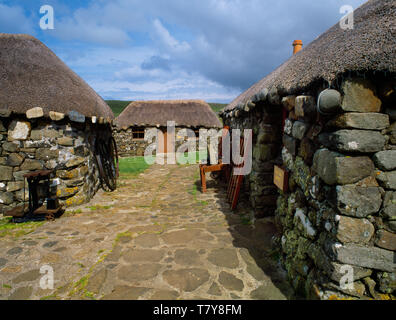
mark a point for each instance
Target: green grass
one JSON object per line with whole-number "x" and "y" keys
{"x": 132, "y": 166}
{"x": 216, "y": 107}
{"x": 118, "y": 106}
{"x": 198, "y": 156}
{"x": 17, "y": 229}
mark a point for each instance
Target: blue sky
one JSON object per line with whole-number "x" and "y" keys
{"x": 173, "y": 49}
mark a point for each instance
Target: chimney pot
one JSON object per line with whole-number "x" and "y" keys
{"x": 297, "y": 46}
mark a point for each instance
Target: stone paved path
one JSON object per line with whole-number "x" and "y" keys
{"x": 156, "y": 237}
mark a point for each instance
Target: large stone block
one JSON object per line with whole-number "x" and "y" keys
{"x": 357, "y": 201}
{"x": 46, "y": 154}
{"x": 14, "y": 186}
{"x": 30, "y": 164}
{"x": 76, "y": 116}
{"x": 335, "y": 273}
{"x": 72, "y": 174}
{"x": 18, "y": 130}
{"x": 299, "y": 129}
{"x": 367, "y": 257}
{"x": 353, "y": 230}
{"x": 66, "y": 192}
{"x": 387, "y": 179}
{"x": 75, "y": 162}
{"x": 14, "y": 159}
{"x": 6, "y": 173}
{"x": 51, "y": 133}
{"x": 360, "y": 96}
{"x": 65, "y": 141}
{"x": 305, "y": 106}
{"x": 355, "y": 120}
{"x": 18, "y": 175}
{"x": 56, "y": 116}
{"x": 386, "y": 240}
{"x": 389, "y": 206}
{"x": 6, "y": 198}
{"x": 334, "y": 168}
{"x": 10, "y": 147}
{"x": 35, "y": 113}
{"x": 289, "y": 102}
{"x": 363, "y": 141}
{"x": 385, "y": 160}
{"x": 353, "y": 169}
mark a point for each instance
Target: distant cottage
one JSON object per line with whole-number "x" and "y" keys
{"x": 140, "y": 116}
{"x": 49, "y": 119}
{"x": 324, "y": 156}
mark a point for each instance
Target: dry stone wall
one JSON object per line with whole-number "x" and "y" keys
{"x": 266, "y": 126}
{"x": 339, "y": 213}
{"x": 128, "y": 146}
{"x": 27, "y": 145}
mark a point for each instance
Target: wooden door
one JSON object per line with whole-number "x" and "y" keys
{"x": 163, "y": 142}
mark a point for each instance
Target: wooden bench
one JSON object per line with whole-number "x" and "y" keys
{"x": 219, "y": 167}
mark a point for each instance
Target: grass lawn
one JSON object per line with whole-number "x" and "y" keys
{"x": 132, "y": 166}
{"x": 199, "y": 155}
{"x": 117, "y": 106}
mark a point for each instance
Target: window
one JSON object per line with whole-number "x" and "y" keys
{"x": 137, "y": 133}
{"x": 196, "y": 131}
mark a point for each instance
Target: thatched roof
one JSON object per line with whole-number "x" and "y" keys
{"x": 370, "y": 46}
{"x": 31, "y": 75}
{"x": 194, "y": 113}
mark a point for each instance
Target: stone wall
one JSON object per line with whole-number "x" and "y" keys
{"x": 127, "y": 146}
{"x": 36, "y": 144}
{"x": 266, "y": 125}
{"x": 339, "y": 213}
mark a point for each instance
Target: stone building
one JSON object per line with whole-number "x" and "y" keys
{"x": 138, "y": 117}
{"x": 327, "y": 119}
{"x": 49, "y": 119}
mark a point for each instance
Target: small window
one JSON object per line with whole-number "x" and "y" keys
{"x": 196, "y": 133}
{"x": 137, "y": 133}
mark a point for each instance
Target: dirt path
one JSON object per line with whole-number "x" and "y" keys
{"x": 156, "y": 237}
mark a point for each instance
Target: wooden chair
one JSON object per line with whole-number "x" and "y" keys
{"x": 219, "y": 167}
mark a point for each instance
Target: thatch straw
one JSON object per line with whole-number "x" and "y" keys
{"x": 369, "y": 47}
{"x": 31, "y": 75}
{"x": 194, "y": 113}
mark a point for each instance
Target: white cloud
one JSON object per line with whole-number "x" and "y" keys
{"x": 213, "y": 48}
{"x": 14, "y": 20}
{"x": 165, "y": 38}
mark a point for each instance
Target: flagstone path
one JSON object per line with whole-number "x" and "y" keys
{"x": 156, "y": 237}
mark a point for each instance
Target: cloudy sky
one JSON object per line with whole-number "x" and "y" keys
{"x": 173, "y": 49}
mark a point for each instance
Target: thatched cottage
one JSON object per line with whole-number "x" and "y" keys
{"x": 140, "y": 116}
{"x": 324, "y": 157}
{"x": 49, "y": 119}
